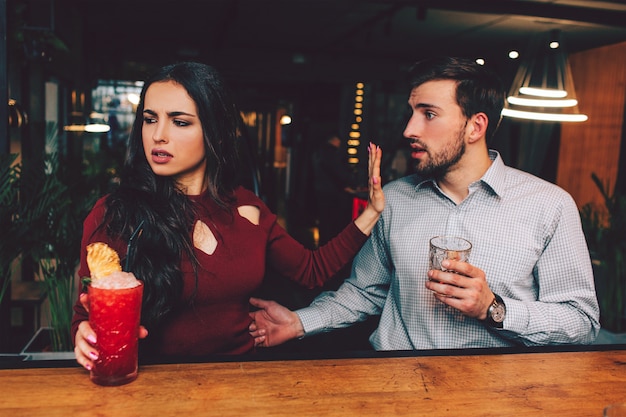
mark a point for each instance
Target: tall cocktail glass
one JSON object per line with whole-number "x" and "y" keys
{"x": 114, "y": 315}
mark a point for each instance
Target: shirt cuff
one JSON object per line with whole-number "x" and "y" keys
{"x": 311, "y": 320}
{"x": 517, "y": 316}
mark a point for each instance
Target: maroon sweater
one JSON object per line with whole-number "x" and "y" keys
{"x": 217, "y": 321}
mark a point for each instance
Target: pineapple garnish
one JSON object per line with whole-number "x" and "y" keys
{"x": 102, "y": 260}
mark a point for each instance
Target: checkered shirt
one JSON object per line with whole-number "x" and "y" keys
{"x": 527, "y": 237}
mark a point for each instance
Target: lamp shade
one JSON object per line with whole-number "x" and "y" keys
{"x": 543, "y": 87}
{"x": 94, "y": 124}
{"x": 76, "y": 123}
{"x": 97, "y": 123}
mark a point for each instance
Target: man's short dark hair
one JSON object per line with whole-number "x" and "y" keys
{"x": 479, "y": 89}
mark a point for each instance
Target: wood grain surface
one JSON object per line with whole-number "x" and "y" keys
{"x": 528, "y": 384}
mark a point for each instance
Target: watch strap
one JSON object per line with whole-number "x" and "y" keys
{"x": 496, "y": 313}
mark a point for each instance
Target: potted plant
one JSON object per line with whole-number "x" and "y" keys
{"x": 9, "y": 172}
{"x": 42, "y": 207}
{"x": 27, "y": 200}
{"x": 25, "y": 203}
{"x": 605, "y": 231}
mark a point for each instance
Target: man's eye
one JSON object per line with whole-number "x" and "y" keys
{"x": 429, "y": 115}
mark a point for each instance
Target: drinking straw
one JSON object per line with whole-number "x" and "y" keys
{"x": 130, "y": 249}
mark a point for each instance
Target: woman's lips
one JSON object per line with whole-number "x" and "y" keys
{"x": 160, "y": 156}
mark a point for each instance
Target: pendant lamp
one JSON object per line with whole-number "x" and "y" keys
{"x": 543, "y": 88}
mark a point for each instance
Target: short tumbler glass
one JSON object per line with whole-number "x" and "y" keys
{"x": 448, "y": 247}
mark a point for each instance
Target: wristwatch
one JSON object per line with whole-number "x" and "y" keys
{"x": 496, "y": 313}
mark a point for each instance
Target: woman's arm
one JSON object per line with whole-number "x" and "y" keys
{"x": 312, "y": 268}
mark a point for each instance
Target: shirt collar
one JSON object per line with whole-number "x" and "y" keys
{"x": 494, "y": 178}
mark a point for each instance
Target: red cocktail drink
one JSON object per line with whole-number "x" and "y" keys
{"x": 114, "y": 314}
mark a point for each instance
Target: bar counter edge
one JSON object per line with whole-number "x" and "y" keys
{"x": 17, "y": 361}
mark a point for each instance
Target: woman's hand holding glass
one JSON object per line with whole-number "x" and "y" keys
{"x": 85, "y": 341}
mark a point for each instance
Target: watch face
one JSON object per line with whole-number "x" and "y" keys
{"x": 497, "y": 313}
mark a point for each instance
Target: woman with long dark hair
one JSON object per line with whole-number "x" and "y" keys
{"x": 205, "y": 241}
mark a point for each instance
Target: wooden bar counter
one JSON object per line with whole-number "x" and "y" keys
{"x": 541, "y": 383}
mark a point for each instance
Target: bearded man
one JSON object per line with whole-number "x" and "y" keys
{"x": 529, "y": 278}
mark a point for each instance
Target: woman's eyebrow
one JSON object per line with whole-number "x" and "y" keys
{"x": 180, "y": 113}
{"x": 170, "y": 114}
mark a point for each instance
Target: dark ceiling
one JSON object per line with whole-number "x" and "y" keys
{"x": 265, "y": 41}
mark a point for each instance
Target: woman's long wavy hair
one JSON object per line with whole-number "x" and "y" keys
{"x": 167, "y": 213}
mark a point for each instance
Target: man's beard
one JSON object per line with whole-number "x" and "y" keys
{"x": 437, "y": 166}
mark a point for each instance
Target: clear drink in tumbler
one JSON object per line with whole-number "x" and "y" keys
{"x": 448, "y": 247}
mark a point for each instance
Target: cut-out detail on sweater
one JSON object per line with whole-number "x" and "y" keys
{"x": 203, "y": 237}
{"x": 251, "y": 213}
